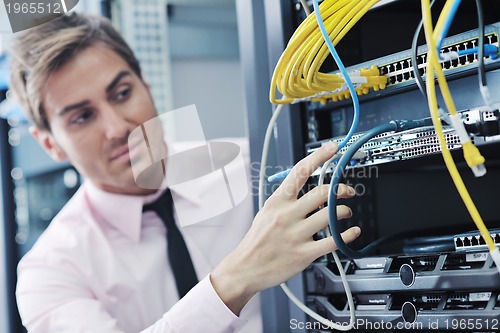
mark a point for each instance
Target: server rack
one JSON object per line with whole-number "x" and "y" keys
{"x": 11, "y": 322}
{"x": 264, "y": 26}
{"x": 450, "y": 286}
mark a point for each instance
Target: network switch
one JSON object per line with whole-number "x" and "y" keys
{"x": 390, "y": 147}
{"x": 446, "y": 311}
{"x": 440, "y": 271}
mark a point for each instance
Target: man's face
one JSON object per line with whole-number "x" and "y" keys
{"x": 92, "y": 104}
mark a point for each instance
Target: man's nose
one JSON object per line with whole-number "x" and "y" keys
{"x": 114, "y": 124}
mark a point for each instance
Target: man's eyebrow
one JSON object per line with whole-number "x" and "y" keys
{"x": 68, "y": 108}
{"x": 116, "y": 80}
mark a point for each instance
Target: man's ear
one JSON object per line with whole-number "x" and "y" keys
{"x": 48, "y": 143}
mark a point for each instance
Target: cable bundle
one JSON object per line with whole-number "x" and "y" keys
{"x": 471, "y": 153}
{"x": 297, "y": 76}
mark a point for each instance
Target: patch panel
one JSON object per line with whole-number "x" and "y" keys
{"x": 474, "y": 241}
{"x": 398, "y": 67}
{"x": 402, "y": 70}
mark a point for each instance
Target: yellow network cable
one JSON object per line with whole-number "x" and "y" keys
{"x": 297, "y": 76}
{"x": 433, "y": 65}
{"x": 472, "y": 155}
{"x": 445, "y": 12}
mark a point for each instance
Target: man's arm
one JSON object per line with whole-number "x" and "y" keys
{"x": 54, "y": 299}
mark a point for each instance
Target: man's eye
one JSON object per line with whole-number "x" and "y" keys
{"x": 122, "y": 94}
{"x": 82, "y": 117}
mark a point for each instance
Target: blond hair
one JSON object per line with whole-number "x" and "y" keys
{"x": 42, "y": 50}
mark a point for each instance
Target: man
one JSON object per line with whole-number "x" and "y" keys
{"x": 101, "y": 265}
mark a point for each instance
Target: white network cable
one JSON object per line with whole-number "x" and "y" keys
{"x": 288, "y": 292}
{"x": 306, "y": 7}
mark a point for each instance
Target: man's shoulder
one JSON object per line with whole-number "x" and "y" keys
{"x": 64, "y": 229}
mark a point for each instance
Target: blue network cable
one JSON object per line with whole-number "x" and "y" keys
{"x": 282, "y": 175}
{"x": 446, "y": 26}
{"x": 490, "y": 51}
{"x": 343, "y": 70}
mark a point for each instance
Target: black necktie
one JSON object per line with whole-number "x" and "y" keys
{"x": 178, "y": 254}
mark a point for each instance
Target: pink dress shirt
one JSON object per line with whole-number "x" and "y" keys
{"x": 101, "y": 266}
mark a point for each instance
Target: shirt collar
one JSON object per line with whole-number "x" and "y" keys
{"x": 122, "y": 211}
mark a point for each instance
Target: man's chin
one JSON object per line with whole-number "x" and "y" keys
{"x": 151, "y": 177}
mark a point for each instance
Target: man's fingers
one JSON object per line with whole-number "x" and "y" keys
{"x": 319, "y": 195}
{"x": 319, "y": 220}
{"x": 350, "y": 234}
{"x": 345, "y": 192}
{"x": 327, "y": 245}
{"x": 312, "y": 200}
{"x": 292, "y": 184}
{"x": 343, "y": 212}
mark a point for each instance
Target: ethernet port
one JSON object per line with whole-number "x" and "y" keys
{"x": 459, "y": 243}
{"x": 481, "y": 241}
{"x": 474, "y": 241}
{"x": 492, "y": 39}
{"x": 467, "y": 241}
{"x": 497, "y": 239}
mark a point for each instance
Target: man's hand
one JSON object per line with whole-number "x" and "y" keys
{"x": 280, "y": 242}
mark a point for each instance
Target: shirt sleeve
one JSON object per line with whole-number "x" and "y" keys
{"x": 54, "y": 300}
{"x": 201, "y": 310}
